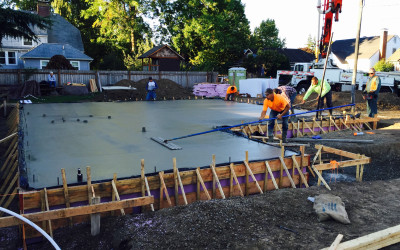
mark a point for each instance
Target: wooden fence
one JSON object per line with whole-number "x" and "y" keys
{"x": 105, "y": 78}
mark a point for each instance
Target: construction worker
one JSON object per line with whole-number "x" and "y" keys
{"x": 151, "y": 90}
{"x": 371, "y": 92}
{"x": 289, "y": 93}
{"x": 326, "y": 93}
{"x": 230, "y": 93}
{"x": 279, "y": 107}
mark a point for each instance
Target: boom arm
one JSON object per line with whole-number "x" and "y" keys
{"x": 329, "y": 8}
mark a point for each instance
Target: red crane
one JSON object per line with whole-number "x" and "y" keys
{"x": 329, "y": 8}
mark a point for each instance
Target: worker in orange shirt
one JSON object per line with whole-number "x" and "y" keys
{"x": 230, "y": 93}
{"x": 279, "y": 107}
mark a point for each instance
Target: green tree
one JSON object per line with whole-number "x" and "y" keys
{"x": 17, "y": 24}
{"x": 384, "y": 66}
{"x": 210, "y": 34}
{"x": 267, "y": 35}
{"x": 310, "y": 45}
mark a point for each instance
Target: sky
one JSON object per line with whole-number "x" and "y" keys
{"x": 297, "y": 19}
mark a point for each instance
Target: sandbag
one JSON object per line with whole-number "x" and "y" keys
{"x": 329, "y": 206}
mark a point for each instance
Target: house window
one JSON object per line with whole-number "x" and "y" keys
{"x": 2, "y": 57}
{"x": 27, "y": 42}
{"x": 43, "y": 63}
{"x": 8, "y": 57}
{"x": 394, "y": 50}
{"x": 75, "y": 64}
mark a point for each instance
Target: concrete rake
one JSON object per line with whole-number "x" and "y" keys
{"x": 166, "y": 142}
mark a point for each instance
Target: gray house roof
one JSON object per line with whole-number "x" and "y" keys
{"x": 157, "y": 48}
{"x": 62, "y": 31}
{"x": 344, "y": 49}
{"x": 47, "y": 50}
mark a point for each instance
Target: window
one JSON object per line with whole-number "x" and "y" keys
{"x": 8, "y": 57}
{"x": 75, "y": 64}
{"x": 2, "y": 57}
{"x": 43, "y": 63}
{"x": 27, "y": 42}
{"x": 394, "y": 50}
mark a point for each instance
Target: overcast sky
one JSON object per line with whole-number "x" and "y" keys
{"x": 296, "y": 19}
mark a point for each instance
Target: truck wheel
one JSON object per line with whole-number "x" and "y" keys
{"x": 301, "y": 88}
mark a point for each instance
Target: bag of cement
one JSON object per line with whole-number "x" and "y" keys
{"x": 330, "y": 206}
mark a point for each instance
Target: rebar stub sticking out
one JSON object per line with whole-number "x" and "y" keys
{"x": 44, "y": 115}
{"x": 84, "y": 121}
{"x": 109, "y": 117}
{"x": 143, "y": 129}
{"x": 79, "y": 176}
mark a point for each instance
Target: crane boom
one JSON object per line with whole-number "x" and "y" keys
{"x": 329, "y": 9}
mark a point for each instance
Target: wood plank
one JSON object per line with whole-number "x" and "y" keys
{"x": 336, "y": 242}
{"x": 76, "y": 211}
{"x": 217, "y": 180}
{"x": 281, "y": 170}
{"x": 214, "y": 181}
{"x": 9, "y": 187}
{"x": 252, "y": 176}
{"x": 321, "y": 129}
{"x": 311, "y": 129}
{"x": 303, "y": 178}
{"x": 181, "y": 185}
{"x": 375, "y": 240}
{"x": 115, "y": 192}
{"x": 202, "y": 183}
{"x": 10, "y": 199}
{"x": 161, "y": 174}
{"x": 8, "y": 137}
{"x": 271, "y": 174}
{"x": 9, "y": 176}
{"x": 142, "y": 184}
{"x": 10, "y": 158}
{"x": 48, "y": 209}
{"x": 334, "y": 123}
{"x": 89, "y": 184}
{"x": 321, "y": 178}
{"x": 149, "y": 193}
{"x": 175, "y": 182}
{"x": 231, "y": 181}
{"x": 231, "y": 166}
{"x": 247, "y": 174}
{"x": 338, "y": 152}
{"x": 65, "y": 187}
{"x": 287, "y": 172}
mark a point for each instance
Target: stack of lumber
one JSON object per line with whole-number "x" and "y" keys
{"x": 210, "y": 89}
{"x": 93, "y": 86}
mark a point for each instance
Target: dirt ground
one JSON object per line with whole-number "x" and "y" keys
{"x": 280, "y": 219}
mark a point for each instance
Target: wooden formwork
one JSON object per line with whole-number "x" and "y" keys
{"x": 9, "y": 171}
{"x": 166, "y": 189}
{"x": 303, "y": 127}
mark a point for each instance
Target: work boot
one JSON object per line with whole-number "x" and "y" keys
{"x": 284, "y": 140}
{"x": 271, "y": 138}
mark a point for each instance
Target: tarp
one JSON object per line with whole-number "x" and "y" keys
{"x": 255, "y": 86}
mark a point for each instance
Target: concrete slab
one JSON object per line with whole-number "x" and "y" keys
{"x": 55, "y": 139}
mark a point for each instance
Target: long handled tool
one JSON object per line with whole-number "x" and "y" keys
{"x": 173, "y": 146}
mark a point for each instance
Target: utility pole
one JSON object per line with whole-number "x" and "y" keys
{"x": 353, "y": 81}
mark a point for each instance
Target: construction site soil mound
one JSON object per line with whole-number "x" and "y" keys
{"x": 167, "y": 89}
{"x": 280, "y": 219}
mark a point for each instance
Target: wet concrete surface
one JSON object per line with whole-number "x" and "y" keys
{"x": 111, "y": 140}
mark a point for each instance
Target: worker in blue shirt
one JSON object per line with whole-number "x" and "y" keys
{"x": 151, "y": 89}
{"x": 51, "y": 79}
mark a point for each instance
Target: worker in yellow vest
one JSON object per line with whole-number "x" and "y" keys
{"x": 371, "y": 92}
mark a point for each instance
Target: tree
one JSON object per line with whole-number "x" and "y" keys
{"x": 267, "y": 35}
{"x": 59, "y": 62}
{"x": 210, "y": 34}
{"x": 310, "y": 45}
{"x": 384, "y": 66}
{"x": 17, "y": 24}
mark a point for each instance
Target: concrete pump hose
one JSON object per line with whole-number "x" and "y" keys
{"x": 33, "y": 225}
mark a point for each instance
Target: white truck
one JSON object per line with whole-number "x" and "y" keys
{"x": 340, "y": 79}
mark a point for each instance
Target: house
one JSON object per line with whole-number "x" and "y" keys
{"x": 371, "y": 50}
{"x": 161, "y": 58}
{"x": 39, "y": 57}
{"x": 297, "y": 56}
{"x": 395, "y": 60}
{"x": 61, "y": 32}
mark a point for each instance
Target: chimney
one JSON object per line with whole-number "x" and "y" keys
{"x": 383, "y": 44}
{"x": 43, "y": 8}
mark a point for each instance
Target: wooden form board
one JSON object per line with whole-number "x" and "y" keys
{"x": 303, "y": 128}
{"x": 78, "y": 194}
{"x": 375, "y": 240}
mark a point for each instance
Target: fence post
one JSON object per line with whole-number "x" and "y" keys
{"x": 59, "y": 78}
